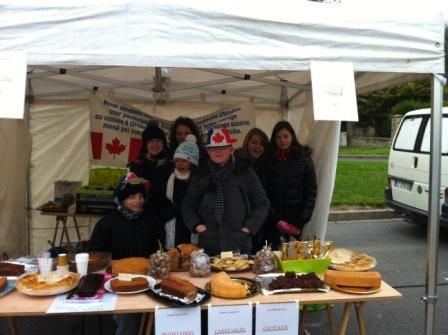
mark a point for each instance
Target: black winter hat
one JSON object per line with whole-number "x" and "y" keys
{"x": 151, "y": 132}
{"x": 129, "y": 185}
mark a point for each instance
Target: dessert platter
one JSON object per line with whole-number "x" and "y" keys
{"x": 136, "y": 284}
{"x": 178, "y": 292}
{"x": 231, "y": 264}
{"x": 290, "y": 282}
{"x": 344, "y": 259}
{"x": 224, "y": 286}
{"x": 49, "y": 284}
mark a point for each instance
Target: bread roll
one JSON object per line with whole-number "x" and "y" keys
{"x": 137, "y": 283}
{"x": 353, "y": 279}
{"x": 223, "y": 286}
{"x": 179, "y": 287}
{"x": 133, "y": 265}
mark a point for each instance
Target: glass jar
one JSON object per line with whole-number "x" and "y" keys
{"x": 62, "y": 265}
{"x": 199, "y": 264}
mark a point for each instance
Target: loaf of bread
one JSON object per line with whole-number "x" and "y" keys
{"x": 136, "y": 284}
{"x": 3, "y": 283}
{"x": 368, "y": 279}
{"x": 179, "y": 287}
{"x": 133, "y": 265}
{"x": 185, "y": 252}
{"x": 223, "y": 286}
{"x": 10, "y": 269}
{"x": 175, "y": 258}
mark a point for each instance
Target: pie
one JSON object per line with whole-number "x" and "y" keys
{"x": 347, "y": 260}
{"x": 52, "y": 283}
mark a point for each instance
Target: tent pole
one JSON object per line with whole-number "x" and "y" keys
{"x": 430, "y": 298}
{"x": 28, "y": 101}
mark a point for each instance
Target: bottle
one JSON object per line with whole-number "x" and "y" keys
{"x": 62, "y": 266}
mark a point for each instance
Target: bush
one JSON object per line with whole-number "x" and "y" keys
{"x": 405, "y": 106}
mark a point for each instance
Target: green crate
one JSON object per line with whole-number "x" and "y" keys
{"x": 106, "y": 176}
{"x": 306, "y": 265}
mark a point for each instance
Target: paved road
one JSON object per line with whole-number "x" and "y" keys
{"x": 400, "y": 250}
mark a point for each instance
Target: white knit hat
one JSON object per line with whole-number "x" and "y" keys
{"x": 188, "y": 150}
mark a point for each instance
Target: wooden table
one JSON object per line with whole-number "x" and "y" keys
{"x": 17, "y": 304}
{"x": 61, "y": 219}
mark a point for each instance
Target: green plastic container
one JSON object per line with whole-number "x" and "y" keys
{"x": 306, "y": 265}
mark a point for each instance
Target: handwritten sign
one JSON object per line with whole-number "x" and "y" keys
{"x": 178, "y": 321}
{"x": 277, "y": 318}
{"x": 60, "y": 304}
{"x": 334, "y": 93}
{"x": 235, "y": 319}
{"x": 12, "y": 85}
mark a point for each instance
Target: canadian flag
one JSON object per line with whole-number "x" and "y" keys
{"x": 111, "y": 150}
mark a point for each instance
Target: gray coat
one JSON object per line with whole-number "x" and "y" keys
{"x": 245, "y": 205}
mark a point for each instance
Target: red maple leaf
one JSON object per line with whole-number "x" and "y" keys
{"x": 115, "y": 147}
{"x": 218, "y": 138}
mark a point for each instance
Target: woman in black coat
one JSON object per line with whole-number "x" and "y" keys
{"x": 290, "y": 182}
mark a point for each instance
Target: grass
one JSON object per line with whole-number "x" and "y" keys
{"x": 364, "y": 151}
{"x": 360, "y": 184}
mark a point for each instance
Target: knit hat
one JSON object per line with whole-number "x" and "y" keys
{"x": 188, "y": 150}
{"x": 129, "y": 185}
{"x": 219, "y": 138}
{"x": 153, "y": 131}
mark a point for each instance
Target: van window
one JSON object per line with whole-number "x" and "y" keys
{"x": 407, "y": 134}
{"x": 427, "y": 136}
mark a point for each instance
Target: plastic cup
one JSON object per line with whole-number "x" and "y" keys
{"x": 82, "y": 263}
{"x": 45, "y": 265}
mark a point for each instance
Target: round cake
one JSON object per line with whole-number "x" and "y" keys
{"x": 133, "y": 265}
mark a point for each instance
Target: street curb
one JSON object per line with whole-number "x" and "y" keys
{"x": 371, "y": 214}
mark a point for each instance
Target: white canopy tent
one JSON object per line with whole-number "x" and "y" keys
{"x": 174, "y": 58}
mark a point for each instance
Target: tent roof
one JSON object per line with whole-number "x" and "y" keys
{"x": 117, "y": 45}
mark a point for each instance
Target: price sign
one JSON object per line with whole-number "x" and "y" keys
{"x": 234, "y": 319}
{"x": 178, "y": 321}
{"x": 277, "y": 318}
{"x": 334, "y": 94}
{"x": 12, "y": 85}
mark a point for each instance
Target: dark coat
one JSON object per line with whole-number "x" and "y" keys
{"x": 245, "y": 205}
{"x": 157, "y": 175}
{"x": 125, "y": 237}
{"x": 292, "y": 189}
{"x": 183, "y": 234}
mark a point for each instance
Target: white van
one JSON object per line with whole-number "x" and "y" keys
{"x": 408, "y": 169}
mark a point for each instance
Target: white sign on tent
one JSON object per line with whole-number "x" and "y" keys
{"x": 12, "y": 85}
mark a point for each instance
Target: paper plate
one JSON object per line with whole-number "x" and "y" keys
{"x": 151, "y": 283}
{"x": 356, "y": 290}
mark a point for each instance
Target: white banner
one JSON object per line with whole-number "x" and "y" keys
{"x": 12, "y": 85}
{"x": 234, "y": 319}
{"x": 116, "y": 128}
{"x": 282, "y": 318}
{"x": 178, "y": 321}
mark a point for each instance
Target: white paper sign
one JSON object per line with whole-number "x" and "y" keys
{"x": 334, "y": 92}
{"x": 234, "y": 319}
{"x": 277, "y": 318}
{"x": 178, "y": 321}
{"x": 61, "y": 305}
{"x": 12, "y": 85}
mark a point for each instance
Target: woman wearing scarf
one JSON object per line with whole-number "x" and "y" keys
{"x": 129, "y": 231}
{"x": 290, "y": 184}
{"x": 225, "y": 202}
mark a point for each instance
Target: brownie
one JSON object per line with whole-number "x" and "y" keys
{"x": 90, "y": 284}
{"x": 10, "y": 269}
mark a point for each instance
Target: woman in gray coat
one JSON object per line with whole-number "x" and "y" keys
{"x": 225, "y": 202}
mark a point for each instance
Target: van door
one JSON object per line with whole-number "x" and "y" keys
{"x": 422, "y": 169}
{"x": 402, "y": 160}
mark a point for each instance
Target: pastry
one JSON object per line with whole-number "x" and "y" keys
{"x": 11, "y": 269}
{"x": 90, "y": 284}
{"x": 179, "y": 287}
{"x": 353, "y": 279}
{"x": 51, "y": 283}
{"x": 133, "y": 265}
{"x": 175, "y": 258}
{"x": 185, "y": 252}
{"x": 136, "y": 284}
{"x": 3, "y": 283}
{"x": 223, "y": 286}
{"x": 293, "y": 280}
